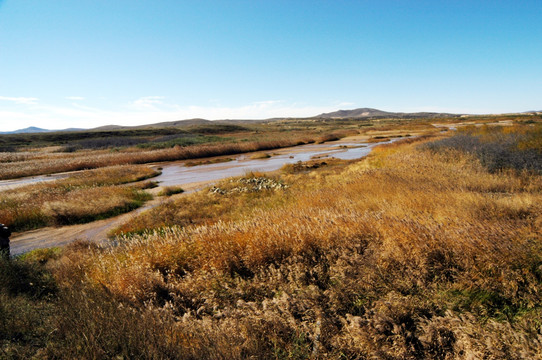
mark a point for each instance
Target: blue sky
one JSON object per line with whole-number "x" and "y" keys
{"x": 87, "y": 63}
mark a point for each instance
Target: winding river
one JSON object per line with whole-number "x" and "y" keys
{"x": 191, "y": 178}
{"x": 177, "y": 173}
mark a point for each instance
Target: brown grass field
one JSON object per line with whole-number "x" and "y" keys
{"x": 82, "y": 197}
{"x": 428, "y": 248}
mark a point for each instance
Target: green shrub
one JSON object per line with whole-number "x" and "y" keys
{"x": 170, "y": 190}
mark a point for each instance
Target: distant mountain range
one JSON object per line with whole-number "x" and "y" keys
{"x": 361, "y": 113}
{"x": 33, "y": 130}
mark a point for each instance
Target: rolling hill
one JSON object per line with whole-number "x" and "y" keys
{"x": 375, "y": 113}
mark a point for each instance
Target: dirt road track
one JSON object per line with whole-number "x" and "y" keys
{"x": 95, "y": 231}
{"x": 51, "y": 236}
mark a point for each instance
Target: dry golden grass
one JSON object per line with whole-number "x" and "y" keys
{"x": 82, "y": 197}
{"x": 336, "y": 135}
{"x": 406, "y": 254}
{"x": 216, "y": 160}
{"x": 170, "y": 190}
{"x": 257, "y": 156}
{"x": 223, "y": 201}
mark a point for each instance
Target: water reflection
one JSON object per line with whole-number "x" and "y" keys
{"x": 11, "y": 184}
{"x": 174, "y": 174}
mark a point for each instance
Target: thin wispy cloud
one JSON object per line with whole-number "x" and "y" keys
{"x": 75, "y": 98}
{"x": 148, "y": 102}
{"x": 268, "y": 103}
{"x": 19, "y": 100}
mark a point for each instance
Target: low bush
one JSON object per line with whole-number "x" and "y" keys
{"x": 182, "y": 140}
{"x": 170, "y": 190}
{"x": 498, "y": 148}
{"x": 103, "y": 143}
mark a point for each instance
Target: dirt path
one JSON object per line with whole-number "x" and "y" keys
{"x": 95, "y": 231}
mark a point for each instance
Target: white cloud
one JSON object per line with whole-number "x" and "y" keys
{"x": 440, "y": 109}
{"x": 75, "y": 98}
{"x": 153, "y": 109}
{"x": 255, "y": 110}
{"x": 267, "y": 103}
{"x": 148, "y": 102}
{"x": 19, "y": 100}
{"x": 148, "y": 110}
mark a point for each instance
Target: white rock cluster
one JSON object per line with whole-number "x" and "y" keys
{"x": 251, "y": 184}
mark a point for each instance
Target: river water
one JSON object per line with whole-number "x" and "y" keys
{"x": 177, "y": 173}
{"x": 11, "y": 184}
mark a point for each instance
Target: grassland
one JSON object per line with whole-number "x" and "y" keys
{"x": 37, "y": 164}
{"x": 82, "y": 197}
{"x": 421, "y": 250}
{"x": 46, "y": 153}
{"x": 38, "y": 154}
{"x": 226, "y": 200}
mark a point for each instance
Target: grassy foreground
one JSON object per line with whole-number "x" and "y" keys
{"x": 417, "y": 251}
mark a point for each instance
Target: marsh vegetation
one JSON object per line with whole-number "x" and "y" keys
{"x": 38, "y": 154}
{"x": 423, "y": 249}
{"x": 82, "y": 197}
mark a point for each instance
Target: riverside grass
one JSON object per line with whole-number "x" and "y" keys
{"x": 20, "y": 164}
{"x": 407, "y": 254}
{"x": 83, "y": 197}
{"x": 204, "y": 207}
